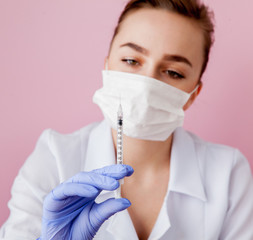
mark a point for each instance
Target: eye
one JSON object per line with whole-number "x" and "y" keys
{"x": 131, "y": 62}
{"x": 174, "y": 74}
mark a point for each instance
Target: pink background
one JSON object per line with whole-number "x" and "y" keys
{"x": 51, "y": 57}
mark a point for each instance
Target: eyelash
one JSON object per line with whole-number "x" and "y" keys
{"x": 174, "y": 74}
{"x": 128, "y": 60}
{"x": 135, "y": 63}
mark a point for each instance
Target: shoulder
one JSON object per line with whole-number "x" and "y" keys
{"x": 217, "y": 153}
{"x": 221, "y": 163}
{"x": 59, "y": 155}
{"x": 198, "y": 141}
{"x": 56, "y": 142}
{"x": 55, "y": 138}
{"x": 216, "y": 160}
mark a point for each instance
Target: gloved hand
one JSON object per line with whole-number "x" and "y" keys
{"x": 70, "y": 211}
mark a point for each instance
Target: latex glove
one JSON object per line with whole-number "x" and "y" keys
{"x": 70, "y": 211}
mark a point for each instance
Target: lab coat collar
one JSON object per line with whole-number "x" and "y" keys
{"x": 185, "y": 174}
{"x": 100, "y": 150}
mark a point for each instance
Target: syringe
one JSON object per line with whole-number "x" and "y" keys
{"x": 119, "y": 145}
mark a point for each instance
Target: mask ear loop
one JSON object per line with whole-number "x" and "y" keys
{"x": 194, "y": 90}
{"x": 106, "y": 64}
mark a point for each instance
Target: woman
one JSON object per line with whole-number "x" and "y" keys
{"x": 182, "y": 187}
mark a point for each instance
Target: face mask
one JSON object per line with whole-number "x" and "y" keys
{"x": 152, "y": 110}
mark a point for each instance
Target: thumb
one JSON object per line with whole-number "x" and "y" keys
{"x": 102, "y": 211}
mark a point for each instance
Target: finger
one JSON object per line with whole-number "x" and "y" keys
{"x": 101, "y": 212}
{"x": 67, "y": 195}
{"x": 97, "y": 180}
{"x": 74, "y": 189}
{"x": 55, "y": 208}
{"x": 116, "y": 171}
{"x": 88, "y": 185}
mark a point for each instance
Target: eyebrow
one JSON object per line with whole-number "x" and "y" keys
{"x": 167, "y": 57}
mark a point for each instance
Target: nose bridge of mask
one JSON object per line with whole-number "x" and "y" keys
{"x": 189, "y": 94}
{"x": 131, "y": 86}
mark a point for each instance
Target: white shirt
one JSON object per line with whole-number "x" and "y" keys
{"x": 209, "y": 196}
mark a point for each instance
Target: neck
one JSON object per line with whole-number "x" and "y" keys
{"x": 145, "y": 155}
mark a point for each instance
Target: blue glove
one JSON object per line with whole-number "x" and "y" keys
{"x": 70, "y": 211}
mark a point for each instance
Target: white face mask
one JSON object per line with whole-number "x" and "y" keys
{"x": 152, "y": 109}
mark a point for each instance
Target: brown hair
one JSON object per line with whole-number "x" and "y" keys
{"x": 189, "y": 8}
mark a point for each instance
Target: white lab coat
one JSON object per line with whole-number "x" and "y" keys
{"x": 209, "y": 197}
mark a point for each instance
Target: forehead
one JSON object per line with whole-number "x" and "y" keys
{"x": 162, "y": 31}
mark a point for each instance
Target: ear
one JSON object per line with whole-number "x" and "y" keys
{"x": 193, "y": 97}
